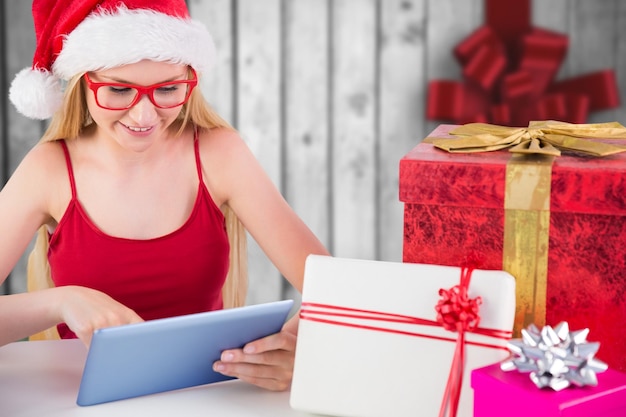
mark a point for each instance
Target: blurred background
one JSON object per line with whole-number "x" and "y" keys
{"x": 329, "y": 95}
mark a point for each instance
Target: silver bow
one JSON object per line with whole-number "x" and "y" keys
{"x": 555, "y": 358}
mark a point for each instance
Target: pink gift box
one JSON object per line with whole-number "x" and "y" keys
{"x": 513, "y": 394}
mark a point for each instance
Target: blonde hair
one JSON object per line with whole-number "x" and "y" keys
{"x": 68, "y": 123}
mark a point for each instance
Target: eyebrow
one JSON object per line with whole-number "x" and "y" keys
{"x": 122, "y": 81}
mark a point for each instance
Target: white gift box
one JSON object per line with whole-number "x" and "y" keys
{"x": 387, "y": 365}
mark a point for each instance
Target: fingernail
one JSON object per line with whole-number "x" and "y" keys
{"x": 227, "y": 357}
{"x": 248, "y": 349}
{"x": 218, "y": 367}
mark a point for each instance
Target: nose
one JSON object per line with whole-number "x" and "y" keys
{"x": 143, "y": 112}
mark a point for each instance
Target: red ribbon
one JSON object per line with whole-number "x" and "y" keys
{"x": 455, "y": 312}
{"x": 509, "y": 68}
{"x": 600, "y": 87}
{"x": 509, "y": 20}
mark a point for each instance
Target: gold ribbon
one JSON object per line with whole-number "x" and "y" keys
{"x": 540, "y": 137}
{"x": 526, "y": 235}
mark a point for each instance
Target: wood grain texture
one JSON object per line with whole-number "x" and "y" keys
{"x": 449, "y": 22}
{"x": 306, "y": 116}
{"x": 354, "y": 55}
{"x": 593, "y": 29}
{"x": 218, "y": 85}
{"x": 402, "y": 94}
{"x": 620, "y": 60}
{"x": 4, "y": 287}
{"x": 258, "y": 32}
{"x": 23, "y": 133}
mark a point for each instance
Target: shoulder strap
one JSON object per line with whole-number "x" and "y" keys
{"x": 196, "y": 146}
{"x": 70, "y": 171}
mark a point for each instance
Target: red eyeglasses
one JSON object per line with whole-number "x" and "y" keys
{"x": 120, "y": 96}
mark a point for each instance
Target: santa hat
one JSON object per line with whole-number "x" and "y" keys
{"x": 75, "y": 36}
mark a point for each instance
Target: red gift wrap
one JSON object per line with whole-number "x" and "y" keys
{"x": 513, "y": 394}
{"x": 455, "y": 205}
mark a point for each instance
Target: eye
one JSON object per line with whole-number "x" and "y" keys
{"x": 167, "y": 89}
{"x": 120, "y": 90}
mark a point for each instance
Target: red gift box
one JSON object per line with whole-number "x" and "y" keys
{"x": 513, "y": 394}
{"x": 566, "y": 248}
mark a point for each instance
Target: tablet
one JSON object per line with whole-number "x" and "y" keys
{"x": 172, "y": 353}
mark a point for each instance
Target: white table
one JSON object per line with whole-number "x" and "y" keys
{"x": 42, "y": 378}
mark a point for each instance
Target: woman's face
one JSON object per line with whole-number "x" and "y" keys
{"x": 137, "y": 127}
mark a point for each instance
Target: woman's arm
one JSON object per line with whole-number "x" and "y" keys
{"x": 23, "y": 209}
{"x": 237, "y": 179}
{"x": 37, "y": 190}
{"x": 83, "y": 310}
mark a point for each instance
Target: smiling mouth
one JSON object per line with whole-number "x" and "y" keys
{"x": 138, "y": 129}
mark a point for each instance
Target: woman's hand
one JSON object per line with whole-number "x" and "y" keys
{"x": 85, "y": 310}
{"x": 267, "y": 362}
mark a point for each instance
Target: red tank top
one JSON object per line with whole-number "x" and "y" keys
{"x": 180, "y": 273}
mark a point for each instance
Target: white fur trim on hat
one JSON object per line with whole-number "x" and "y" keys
{"x": 106, "y": 40}
{"x": 36, "y": 93}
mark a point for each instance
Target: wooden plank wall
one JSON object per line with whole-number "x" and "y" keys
{"x": 329, "y": 94}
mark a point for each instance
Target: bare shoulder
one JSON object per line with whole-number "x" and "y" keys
{"x": 223, "y": 148}
{"x": 43, "y": 161}
{"x": 219, "y": 141}
{"x": 39, "y": 186}
{"x": 226, "y": 162}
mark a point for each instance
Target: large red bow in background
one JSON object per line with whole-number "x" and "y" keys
{"x": 509, "y": 68}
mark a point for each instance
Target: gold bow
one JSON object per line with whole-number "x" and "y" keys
{"x": 540, "y": 137}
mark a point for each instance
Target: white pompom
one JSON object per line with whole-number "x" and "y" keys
{"x": 36, "y": 94}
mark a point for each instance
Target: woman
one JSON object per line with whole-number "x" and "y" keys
{"x": 130, "y": 184}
